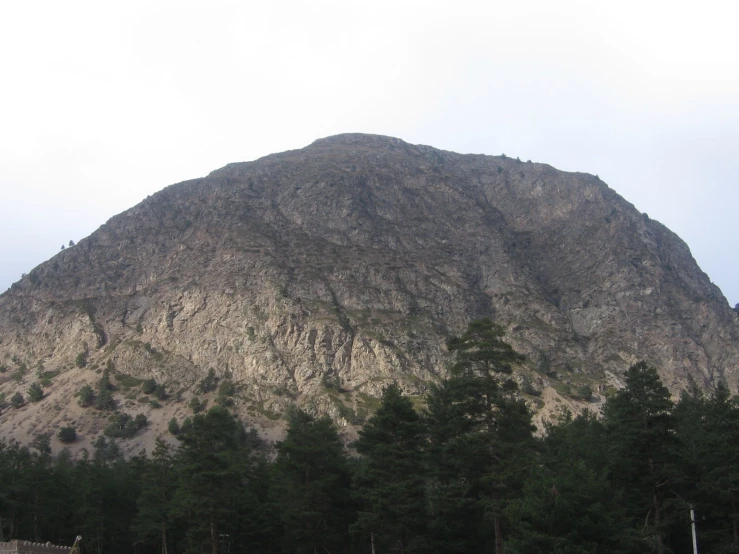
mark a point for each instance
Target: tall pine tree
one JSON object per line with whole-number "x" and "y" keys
{"x": 640, "y": 425}
{"x": 708, "y": 429}
{"x": 311, "y": 490}
{"x": 481, "y": 440}
{"x": 390, "y": 481}
{"x": 207, "y": 477}
{"x": 155, "y": 503}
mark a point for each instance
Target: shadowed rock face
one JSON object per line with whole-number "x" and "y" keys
{"x": 346, "y": 264}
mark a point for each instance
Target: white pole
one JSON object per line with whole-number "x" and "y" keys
{"x": 692, "y": 527}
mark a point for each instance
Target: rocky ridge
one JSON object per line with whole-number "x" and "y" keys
{"x": 318, "y": 275}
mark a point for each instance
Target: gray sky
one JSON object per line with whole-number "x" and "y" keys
{"x": 103, "y": 103}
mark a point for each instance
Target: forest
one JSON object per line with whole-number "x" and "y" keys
{"x": 467, "y": 473}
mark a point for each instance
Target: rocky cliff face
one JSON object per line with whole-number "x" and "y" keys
{"x": 318, "y": 275}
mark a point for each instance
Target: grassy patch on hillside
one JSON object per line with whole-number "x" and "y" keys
{"x": 370, "y": 402}
{"x": 128, "y": 381}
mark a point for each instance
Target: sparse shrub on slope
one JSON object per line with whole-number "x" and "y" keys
{"x": 35, "y": 392}
{"x": 67, "y": 435}
{"x": 17, "y": 400}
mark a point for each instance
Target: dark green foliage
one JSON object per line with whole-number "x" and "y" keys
{"x": 81, "y": 359}
{"x": 67, "y": 434}
{"x": 106, "y": 451}
{"x": 480, "y": 441}
{"x": 214, "y": 466}
{"x": 709, "y": 449}
{"x": 45, "y": 377}
{"x": 174, "y": 427}
{"x": 565, "y": 511}
{"x": 155, "y": 503}
{"x": 160, "y": 392}
{"x": 544, "y": 366}
{"x": 123, "y": 426}
{"x": 390, "y": 482}
{"x": 104, "y": 498}
{"x": 104, "y": 398}
{"x": 19, "y": 373}
{"x": 100, "y": 335}
{"x": 148, "y": 386}
{"x": 196, "y": 405}
{"x": 86, "y": 396}
{"x": 640, "y": 432}
{"x": 17, "y": 400}
{"x": 481, "y": 351}
{"x": 311, "y": 487}
{"x": 3, "y": 402}
{"x": 567, "y": 503}
{"x": 42, "y": 443}
{"x": 225, "y": 392}
{"x": 35, "y": 392}
{"x": 186, "y": 425}
{"x": 228, "y": 402}
{"x": 209, "y": 382}
{"x": 226, "y": 389}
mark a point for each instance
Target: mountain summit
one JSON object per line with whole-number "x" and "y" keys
{"x": 319, "y": 275}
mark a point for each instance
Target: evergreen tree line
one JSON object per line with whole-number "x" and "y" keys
{"x": 466, "y": 474}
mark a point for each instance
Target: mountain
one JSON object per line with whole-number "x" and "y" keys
{"x": 319, "y": 275}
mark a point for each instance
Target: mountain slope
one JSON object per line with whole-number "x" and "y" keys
{"x": 318, "y": 275}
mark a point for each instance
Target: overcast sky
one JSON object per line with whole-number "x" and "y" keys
{"x": 104, "y": 103}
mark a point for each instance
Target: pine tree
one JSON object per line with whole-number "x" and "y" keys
{"x": 708, "y": 429}
{"x": 481, "y": 352}
{"x": 104, "y": 398}
{"x": 391, "y": 480}
{"x": 173, "y": 426}
{"x": 15, "y": 474}
{"x": 35, "y": 392}
{"x": 153, "y": 518}
{"x": 567, "y": 503}
{"x": 481, "y": 441}
{"x": 41, "y": 486}
{"x": 86, "y": 396}
{"x": 639, "y": 426}
{"x": 311, "y": 490}
{"x": 207, "y": 478}
{"x": 67, "y": 434}
{"x": 17, "y": 400}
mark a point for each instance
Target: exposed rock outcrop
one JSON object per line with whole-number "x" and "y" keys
{"x": 318, "y": 275}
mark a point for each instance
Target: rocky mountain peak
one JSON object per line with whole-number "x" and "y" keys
{"x": 316, "y": 276}
{"x": 359, "y": 139}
